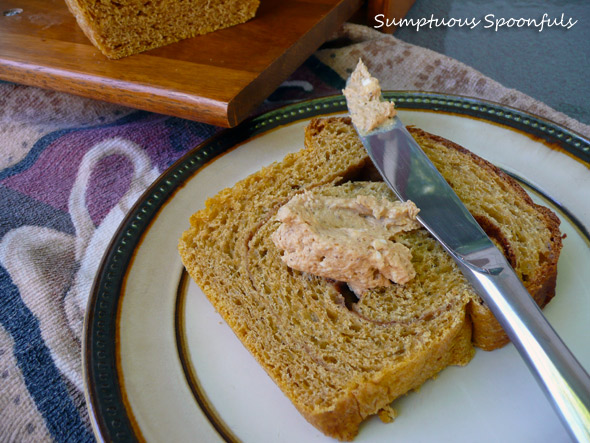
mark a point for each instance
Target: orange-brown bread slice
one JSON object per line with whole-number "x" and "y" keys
{"x": 339, "y": 359}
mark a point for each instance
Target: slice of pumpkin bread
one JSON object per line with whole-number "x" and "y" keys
{"x": 339, "y": 358}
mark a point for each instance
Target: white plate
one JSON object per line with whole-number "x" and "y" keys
{"x": 161, "y": 365}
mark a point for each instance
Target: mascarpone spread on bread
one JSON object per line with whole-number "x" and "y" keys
{"x": 365, "y": 105}
{"x": 347, "y": 239}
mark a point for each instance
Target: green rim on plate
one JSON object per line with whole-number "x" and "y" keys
{"x": 103, "y": 392}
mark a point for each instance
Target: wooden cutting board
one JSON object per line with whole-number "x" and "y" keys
{"x": 218, "y": 78}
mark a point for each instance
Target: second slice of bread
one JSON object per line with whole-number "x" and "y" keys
{"x": 339, "y": 359}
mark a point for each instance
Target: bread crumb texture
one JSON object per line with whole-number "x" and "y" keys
{"x": 387, "y": 414}
{"x": 125, "y": 27}
{"x": 340, "y": 359}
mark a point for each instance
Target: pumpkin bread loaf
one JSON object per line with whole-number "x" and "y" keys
{"x": 125, "y": 27}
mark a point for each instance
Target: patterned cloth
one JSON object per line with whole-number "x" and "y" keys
{"x": 70, "y": 169}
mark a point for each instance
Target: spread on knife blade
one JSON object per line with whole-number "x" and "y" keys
{"x": 363, "y": 97}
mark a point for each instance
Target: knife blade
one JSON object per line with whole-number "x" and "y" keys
{"x": 412, "y": 176}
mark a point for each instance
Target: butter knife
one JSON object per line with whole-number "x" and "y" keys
{"x": 412, "y": 176}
